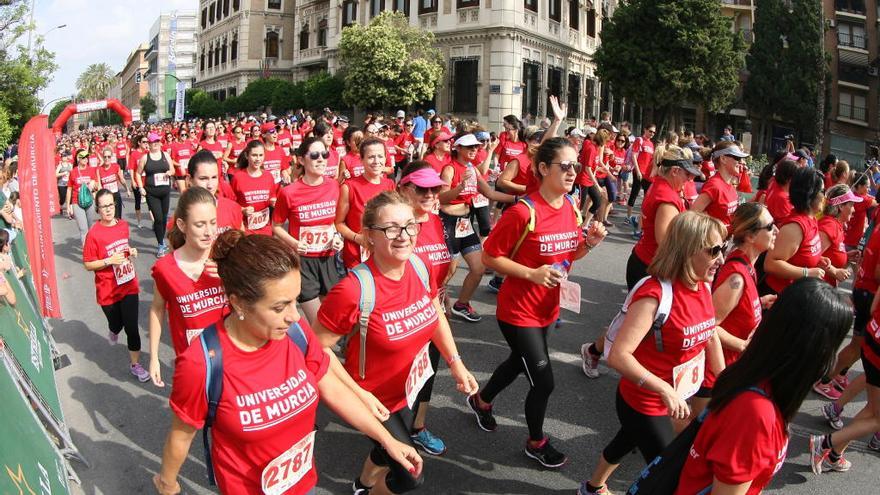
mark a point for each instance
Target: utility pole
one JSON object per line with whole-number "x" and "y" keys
{"x": 31, "y": 30}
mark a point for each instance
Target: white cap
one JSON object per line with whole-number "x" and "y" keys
{"x": 401, "y": 114}
{"x": 577, "y": 133}
{"x": 467, "y": 140}
{"x": 589, "y": 130}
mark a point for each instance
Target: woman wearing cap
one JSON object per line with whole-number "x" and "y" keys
{"x": 718, "y": 197}
{"x": 658, "y": 375}
{"x": 528, "y": 302}
{"x": 255, "y": 189}
{"x": 81, "y": 175}
{"x": 353, "y": 197}
{"x": 309, "y": 207}
{"x": 438, "y": 150}
{"x": 155, "y": 185}
{"x": 351, "y": 162}
{"x": 421, "y": 185}
{"x": 798, "y": 249}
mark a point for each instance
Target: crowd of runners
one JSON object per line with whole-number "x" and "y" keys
{"x": 309, "y": 260}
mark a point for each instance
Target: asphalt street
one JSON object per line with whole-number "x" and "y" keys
{"x": 119, "y": 425}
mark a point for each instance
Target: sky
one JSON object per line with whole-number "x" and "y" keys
{"x": 97, "y": 31}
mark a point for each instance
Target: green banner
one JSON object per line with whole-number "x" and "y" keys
{"x": 29, "y": 462}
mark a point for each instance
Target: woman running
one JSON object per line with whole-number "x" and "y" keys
{"x": 324, "y": 132}
{"x": 309, "y": 208}
{"x": 111, "y": 178}
{"x": 536, "y": 258}
{"x": 855, "y": 228}
{"x": 778, "y": 198}
{"x": 761, "y": 394}
{"x": 255, "y": 189}
{"x": 236, "y": 146}
{"x": 351, "y": 161}
{"x": 107, "y": 253}
{"x": 81, "y": 175}
{"x": 134, "y": 158}
{"x": 661, "y": 372}
{"x": 438, "y": 150}
{"x": 405, "y": 318}
{"x": 719, "y": 198}
{"x": 156, "y": 187}
{"x": 181, "y": 152}
{"x": 255, "y": 447}
{"x": 275, "y": 161}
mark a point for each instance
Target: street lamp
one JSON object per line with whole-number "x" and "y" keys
{"x": 30, "y": 44}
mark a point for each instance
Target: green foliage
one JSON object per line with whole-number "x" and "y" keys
{"x": 660, "y": 53}
{"x": 231, "y": 105}
{"x": 765, "y": 65}
{"x": 388, "y": 63}
{"x": 258, "y": 94}
{"x": 5, "y": 129}
{"x": 287, "y": 96}
{"x": 148, "y": 106}
{"x": 200, "y": 104}
{"x": 57, "y": 109}
{"x": 322, "y": 91}
{"x": 106, "y": 117}
{"x": 95, "y": 82}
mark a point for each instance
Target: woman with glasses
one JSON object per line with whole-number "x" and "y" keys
{"x": 621, "y": 147}
{"x": 254, "y": 189}
{"x": 324, "y": 132}
{"x": 309, "y": 208}
{"x": 107, "y": 253}
{"x": 641, "y": 160}
{"x": 155, "y": 185}
{"x": 274, "y": 160}
{"x": 406, "y": 318}
{"x": 111, "y": 178}
{"x": 181, "y": 152}
{"x": 659, "y": 373}
{"x": 536, "y": 263}
{"x": 81, "y": 175}
{"x": 134, "y": 157}
{"x": 236, "y": 146}
{"x": 439, "y": 147}
{"x": 719, "y": 198}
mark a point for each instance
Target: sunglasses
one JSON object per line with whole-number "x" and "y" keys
{"x": 109, "y": 157}
{"x": 425, "y": 190}
{"x": 768, "y": 227}
{"x": 716, "y": 251}
{"x": 621, "y": 140}
{"x": 315, "y": 154}
{"x": 81, "y": 157}
{"x": 143, "y": 141}
{"x": 566, "y": 166}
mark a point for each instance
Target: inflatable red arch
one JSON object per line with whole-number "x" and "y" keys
{"x": 91, "y": 106}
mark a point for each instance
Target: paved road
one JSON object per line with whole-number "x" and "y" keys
{"x": 120, "y": 424}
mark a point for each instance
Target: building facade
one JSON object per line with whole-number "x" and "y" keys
{"x": 502, "y": 56}
{"x": 132, "y": 90}
{"x": 243, "y": 40}
{"x": 171, "y": 57}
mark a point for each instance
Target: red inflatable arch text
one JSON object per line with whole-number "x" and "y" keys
{"x": 91, "y": 106}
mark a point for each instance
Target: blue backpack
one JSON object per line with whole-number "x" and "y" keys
{"x": 214, "y": 379}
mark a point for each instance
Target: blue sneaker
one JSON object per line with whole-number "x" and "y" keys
{"x": 634, "y": 223}
{"x": 430, "y": 443}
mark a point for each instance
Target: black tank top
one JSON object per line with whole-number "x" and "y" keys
{"x": 157, "y": 171}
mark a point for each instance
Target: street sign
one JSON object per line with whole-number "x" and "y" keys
{"x": 135, "y": 114}
{"x": 137, "y": 77}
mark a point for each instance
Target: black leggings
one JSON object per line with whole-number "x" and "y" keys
{"x": 137, "y": 197}
{"x": 636, "y": 269}
{"x": 123, "y": 314}
{"x": 425, "y": 393}
{"x": 650, "y": 434}
{"x": 117, "y": 198}
{"x": 398, "y": 479}
{"x": 638, "y": 184}
{"x": 62, "y": 195}
{"x": 481, "y": 216}
{"x": 159, "y": 202}
{"x": 595, "y": 195}
{"x": 528, "y": 352}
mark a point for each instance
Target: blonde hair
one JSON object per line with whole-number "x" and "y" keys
{"x": 834, "y": 192}
{"x": 688, "y": 233}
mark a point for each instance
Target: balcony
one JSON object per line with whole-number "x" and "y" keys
{"x": 850, "y": 40}
{"x": 747, "y": 35}
{"x": 738, "y": 4}
{"x": 852, "y": 113}
{"x": 852, "y": 49}
{"x": 856, "y": 7}
{"x": 311, "y": 57}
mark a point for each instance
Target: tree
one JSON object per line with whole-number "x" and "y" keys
{"x": 661, "y": 53}
{"x": 288, "y": 96}
{"x": 323, "y": 91}
{"x": 763, "y": 89}
{"x": 148, "y": 106}
{"x": 5, "y": 129}
{"x": 57, "y": 108}
{"x": 95, "y": 82}
{"x": 258, "y": 94}
{"x": 201, "y": 104}
{"x": 389, "y": 63}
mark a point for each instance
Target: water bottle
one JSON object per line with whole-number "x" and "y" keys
{"x": 562, "y": 267}
{"x": 471, "y": 185}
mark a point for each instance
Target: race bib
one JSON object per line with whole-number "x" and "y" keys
{"x": 161, "y": 180}
{"x": 258, "y": 219}
{"x": 124, "y": 273}
{"x": 463, "y": 227}
{"x": 276, "y": 175}
{"x": 112, "y": 187}
{"x": 288, "y": 468}
{"x": 687, "y": 378}
{"x": 419, "y": 373}
{"x": 193, "y": 333}
{"x": 570, "y": 296}
{"x": 183, "y": 163}
{"x": 317, "y": 238}
{"x": 480, "y": 201}
{"x": 217, "y": 154}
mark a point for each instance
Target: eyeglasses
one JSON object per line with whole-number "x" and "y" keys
{"x": 315, "y": 154}
{"x": 425, "y": 190}
{"x": 393, "y": 232}
{"x": 143, "y": 141}
{"x": 183, "y": 135}
{"x": 271, "y": 131}
{"x": 621, "y": 140}
{"x": 437, "y": 122}
{"x": 409, "y": 124}
{"x": 107, "y": 206}
{"x": 109, "y": 157}
{"x": 566, "y": 166}
{"x": 239, "y": 131}
{"x": 716, "y": 251}
{"x": 768, "y": 227}
{"x": 81, "y": 157}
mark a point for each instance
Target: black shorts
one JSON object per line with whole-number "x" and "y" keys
{"x": 464, "y": 245}
{"x": 398, "y": 479}
{"x": 872, "y": 373}
{"x": 862, "y": 311}
{"x": 180, "y": 177}
{"x": 318, "y": 276}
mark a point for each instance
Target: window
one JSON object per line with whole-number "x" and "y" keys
{"x": 219, "y": 7}
{"x": 232, "y": 91}
{"x": 217, "y": 55}
{"x": 853, "y": 6}
{"x": 853, "y": 73}
{"x": 349, "y": 12}
{"x": 531, "y": 80}
{"x": 574, "y": 15}
{"x": 554, "y": 85}
{"x": 852, "y": 35}
{"x": 376, "y": 7}
{"x": 427, "y": 6}
{"x": 590, "y": 100}
{"x": 210, "y": 57}
{"x": 591, "y": 23}
{"x": 225, "y": 8}
{"x": 304, "y": 37}
{"x": 204, "y": 18}
{"x": 462, "y": 4}
{"x": 272, "y": 44}
{"x": 202, "y": 61}
{"x": 223, "y": 52}
{"x": 322, "y": 32}
{"x": 574, "y": 95}
{"x": 234, "y": 48}
{"x": 852, "y": 106}
{"x": 555, "y": 10}
{"x": 236, "y": 4}
{"x": 401, "y": 6}
{"x": 464, "y": 86}
{"x": 531, "y": 5}
{"x": 211, "y": 13}
{"x": 274, "y": 4}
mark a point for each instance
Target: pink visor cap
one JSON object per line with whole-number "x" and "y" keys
{"x": 849, "y": 197}
{"x": 426, "y": 177}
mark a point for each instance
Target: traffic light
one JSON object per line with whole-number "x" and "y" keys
{"x": 137, "y": 77}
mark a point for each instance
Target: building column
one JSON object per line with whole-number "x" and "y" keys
{"x": 505, "y": 78}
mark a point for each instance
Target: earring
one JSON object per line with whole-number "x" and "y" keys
{"x": 241, "y": 316}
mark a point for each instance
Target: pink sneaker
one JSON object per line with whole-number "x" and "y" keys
{"x": 826, "y": 390}
{"x": 840, "y": 382}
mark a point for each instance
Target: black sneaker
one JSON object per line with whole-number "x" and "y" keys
{"x": 495, "y": 284}
{"x": 466, "y": 311}
{"x": 485, "y": 420}
{"x": 359, "y": 488}
{"x": 546, "y": 455}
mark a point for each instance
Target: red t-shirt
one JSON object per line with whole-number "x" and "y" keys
{"x": 191, "y": 304}
{"x": 808, "y": 253}
{"x": 113, "y": 282}
{"x": 555, "y": 239}
{"x": 353, "y": 164}
{"x": 228, "y": 215}
{"x": 269, "y": 402}
{"x": 360, "y": 190}
{"x": 78, "y": 177}
{"x": 708, "y": 168}
{"x": 722, "y": 451}
{"x": 689, "y": 193}
{"x": 237, "y": 148}
{"x": 404, "y": 140}
{"x": 256, "y": 192}
{"x": 275, "y": 162}
{"x": 438, "y": 163}
{"x": 855, "y": 228}
{"x": 660, "y": 192}
{"x": 724, "y": 199}
{"x": 470, "y": 187}
{"x": 311, "y": 213}
{"x": 865, "y": 276}
{"x": 588, "y": 157}
{"x": 109, "y": 177}
{"x": 508, "y": 150}
{"x": 643, "y": 151}
{"x": 133, "y": 158}
{"x": 296, "y": 139}
{"x": 283, "y": 141}
{"x": 836, "y": 251}
{"x": 181, "y": 153}
{"x": 331, "y": 170}
{"x": 216, "y": 148}
{"x": 690, "y": 325}
{"x": 431, "y": 247}
{"x": 401, "y": 324}
{"x": 778, "y": 204}
{"x": 121, "y": 150}
{"x": 525, "y": 175}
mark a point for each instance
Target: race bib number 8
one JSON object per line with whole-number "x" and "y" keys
{"x": 317, "y": 238}
{"x": 419, "y": 373}
{"x": 288, "y": 468}
{"x": 258, "y": 219}
{"x": 687, "y": 378}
